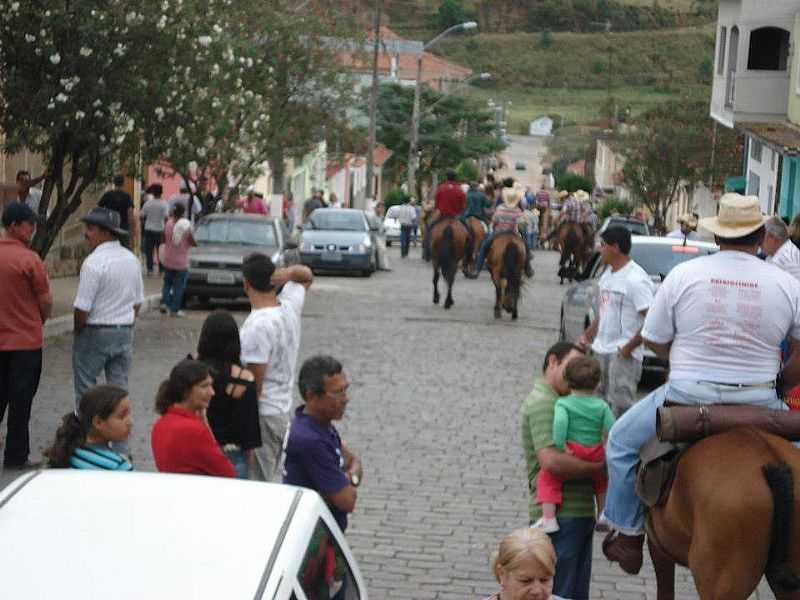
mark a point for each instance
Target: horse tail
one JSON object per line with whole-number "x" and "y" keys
{"x": 781, "y": 483}
{"x": 447, "y": 252}
{"x": 511, "y": 271}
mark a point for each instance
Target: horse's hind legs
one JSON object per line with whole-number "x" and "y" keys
{"x": 497, "y": 310}
{"x": 436, "y": 286}
{"x": 449, "y": 277}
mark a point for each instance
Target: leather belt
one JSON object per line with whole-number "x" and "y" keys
{"x": 770, "y": 385}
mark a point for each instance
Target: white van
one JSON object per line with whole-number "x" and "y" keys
{"x": 86, "y": 535}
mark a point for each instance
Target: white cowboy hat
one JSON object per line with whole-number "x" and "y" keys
{"x": 738, "y": 216}
{"x": 563, "y": 194}
{"x": 512, "y": 196}
{"x": 581, "y": 196}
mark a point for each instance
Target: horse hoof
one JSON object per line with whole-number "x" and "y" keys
{"x": 497, "y": 314}
{"x": 448, "y": 304}
{"x": 514, "y": 316}
{"x": 436, "y": 299}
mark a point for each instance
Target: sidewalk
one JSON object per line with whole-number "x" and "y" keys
{"x": 64, "y": 290}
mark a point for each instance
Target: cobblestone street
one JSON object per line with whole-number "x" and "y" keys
{"x": 433, "y": 413}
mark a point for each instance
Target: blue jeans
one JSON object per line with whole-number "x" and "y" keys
{"x": 482, "y": 252}
{"x": 174, "y": 286}
{"x": 638, "y": 425}
{"x": 573, "y": 544}
{"x": 405, "y": 239}
{"x": 533, "y": 240}
{"x": 150, "y": 243}
{"x": 239, "y": 461}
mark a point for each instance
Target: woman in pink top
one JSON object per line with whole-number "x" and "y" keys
{"x": 178, "y": 238}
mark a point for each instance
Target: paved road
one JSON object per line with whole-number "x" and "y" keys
{"x": 434, "y": 413}
{"x": 528, "y": 150}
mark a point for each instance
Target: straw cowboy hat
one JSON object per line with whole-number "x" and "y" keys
{"x": 563, "y": 194}
{"x": 688, "y": 219}
{"x": 512, "y": 196}
{"x": 738, "y": 216}
{"x": 581, "y": 196}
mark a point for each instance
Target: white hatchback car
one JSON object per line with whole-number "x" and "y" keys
{"x": 391, "y": 225}
{"x": 85, "y": 535}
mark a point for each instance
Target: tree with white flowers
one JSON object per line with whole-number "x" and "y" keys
{"x": 99, "y": 85}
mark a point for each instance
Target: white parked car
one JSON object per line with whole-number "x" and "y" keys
{"x": 391, "y": 225}
{"x": 86, "y": 535}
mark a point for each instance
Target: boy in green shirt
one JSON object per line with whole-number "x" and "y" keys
{"x": 580, "y": 425}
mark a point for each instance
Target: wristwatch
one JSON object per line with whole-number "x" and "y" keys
{"x": 355, "y": 479}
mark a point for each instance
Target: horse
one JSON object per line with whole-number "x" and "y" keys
{"x": 573, "y": 250}
{"x": 727, "y": 534}
{"x": 450, "y": 243}
{"x": 506, "y": 262}
{"x": 476, "y": 228}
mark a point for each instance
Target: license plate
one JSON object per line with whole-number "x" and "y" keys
{"x": 221, "y": 278}
{"x": 332, "y": 256}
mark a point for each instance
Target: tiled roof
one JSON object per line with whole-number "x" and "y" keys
{"x": 782, "y": 135}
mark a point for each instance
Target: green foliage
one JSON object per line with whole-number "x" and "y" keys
{"x": 452, "y": 129}
{"x": 545, "y": 39}
{"x": 451, "y": 12}
{"x": 598, "y": 66}
{"x": 467, "y": 171}
{"x": 613, "y": 205}
{"x": 395, "y": 196}
{"x": 705, "y": 70}
{"x": 572, "y": 182}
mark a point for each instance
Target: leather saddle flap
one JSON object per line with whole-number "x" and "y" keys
{"x": 659, "y": 460}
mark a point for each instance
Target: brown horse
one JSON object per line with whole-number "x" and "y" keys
{"x": 506, "y": 263}
{"x": 572, "y": 242}
{"x": 450, "y": 243}
{"x": 729, "y": 517}
{"x": 476, "y": 228}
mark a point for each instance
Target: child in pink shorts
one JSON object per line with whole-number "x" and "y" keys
{"x": 580, "y": 426}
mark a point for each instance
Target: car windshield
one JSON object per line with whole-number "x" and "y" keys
{"x": 235, "y": 231}
{"x": 635, "y": 227}
{"x": 658, "y": 260}
{"x": 337, "y": 221}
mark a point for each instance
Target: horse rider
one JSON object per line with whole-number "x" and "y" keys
{"x": 477, "y": 206}
{"x": 720, "y": 319}
{"x": 449, "y": 201}
{"x": 507, "y": 219}
{"x": 687, "y": 227}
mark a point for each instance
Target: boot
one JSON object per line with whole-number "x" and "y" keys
{"x": 625, "y": 550}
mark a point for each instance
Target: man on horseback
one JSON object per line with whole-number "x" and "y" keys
{"x": 720, "y": 319}
{"x": 449, "y": 201}
{"x": 478, "y": 205}
{"x": 507, "y": 218}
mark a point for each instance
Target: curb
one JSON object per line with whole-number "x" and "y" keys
{"x": 64, "y": 324}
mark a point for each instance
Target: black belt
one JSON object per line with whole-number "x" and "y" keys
{"x": 99, "y": 326}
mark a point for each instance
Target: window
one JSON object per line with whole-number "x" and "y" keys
{"x": 325, "y": 572}
{"x": 723, "y": 34}
{"x": 769, "y": 49}
{"x": 756, "y": 148}
{"x": 773, "y": 160}
{"x": 753, "y": 184}
{"x": 770, "y": 193}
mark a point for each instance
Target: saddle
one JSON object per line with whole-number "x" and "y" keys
{"x": 679, "y": 426}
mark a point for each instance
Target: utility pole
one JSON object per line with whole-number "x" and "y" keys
{"x": 373, "y": 102}
{"x": 413, "y": 138}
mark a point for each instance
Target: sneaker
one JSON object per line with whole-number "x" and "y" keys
{"x": 180, "y": 314}
{"x": 547, "y": 525}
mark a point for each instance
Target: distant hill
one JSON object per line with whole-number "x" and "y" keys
{"x": 416, "y": 18}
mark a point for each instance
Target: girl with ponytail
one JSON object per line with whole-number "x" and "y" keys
{"x": 82, "y": 441}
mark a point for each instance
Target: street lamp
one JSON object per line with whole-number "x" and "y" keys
{"x": 477, "y": 76}
{"x": 415, "y": 117}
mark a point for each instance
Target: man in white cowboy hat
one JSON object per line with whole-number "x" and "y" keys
{"x": 506, "y": 219}
{"x": 110, "y": 292}
{"x": 720, "y": 319}
{"x": 687, "y": 227}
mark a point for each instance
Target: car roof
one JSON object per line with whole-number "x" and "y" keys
{"x": 139, "y": 535}
{"x": 652, "y": 240}
{"x": 623, "y": 218}
{"x": 236, "y": 217}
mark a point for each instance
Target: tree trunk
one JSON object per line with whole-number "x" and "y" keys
{"x": 277, "y": 167}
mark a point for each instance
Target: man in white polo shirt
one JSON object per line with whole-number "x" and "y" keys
{"x": 625, "y": 295}
{"x": 781, "y": 251}
{"x": 720, "y": 319}
{"x": 110, "y": 292}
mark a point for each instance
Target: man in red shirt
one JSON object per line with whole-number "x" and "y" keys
{"x": 25, "y": 305}
{"x": 450, "y": 201}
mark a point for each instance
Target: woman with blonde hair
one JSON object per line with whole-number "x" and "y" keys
{"x": 524, "y": 566}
